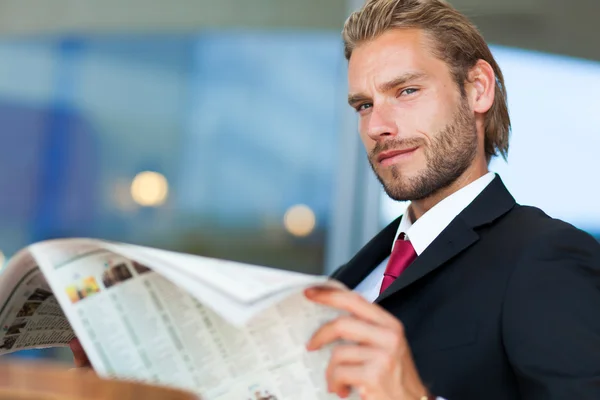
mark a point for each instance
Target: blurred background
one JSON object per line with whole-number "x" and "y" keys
{"x": 221, "y": 127}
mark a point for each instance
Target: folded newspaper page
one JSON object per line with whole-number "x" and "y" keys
{"x": 222, "y": 329}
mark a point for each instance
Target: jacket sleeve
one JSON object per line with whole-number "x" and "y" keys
{"x": 551, "y": 317}
{"x": 335, "y": 274}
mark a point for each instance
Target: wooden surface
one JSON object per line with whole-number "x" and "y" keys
{"x": 34, "y": 381}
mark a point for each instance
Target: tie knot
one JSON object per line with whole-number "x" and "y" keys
{"x": 402, "y": 256}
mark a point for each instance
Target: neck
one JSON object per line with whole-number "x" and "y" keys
{"x": 420, "y": 207}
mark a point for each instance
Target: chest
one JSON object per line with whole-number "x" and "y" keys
{"x": 453, "y": 319}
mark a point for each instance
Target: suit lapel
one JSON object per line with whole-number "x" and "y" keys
{"x": 492, "y": 203}
{"x": 454, "y": 239}
{"x": 369, "y": 257}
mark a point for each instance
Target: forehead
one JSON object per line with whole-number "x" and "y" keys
{"x": 395, "y": 52}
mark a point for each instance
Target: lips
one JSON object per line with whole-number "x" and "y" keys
{"x": 393, "y": 153}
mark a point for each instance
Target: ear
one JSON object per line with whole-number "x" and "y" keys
{"x": 481, "y": 87}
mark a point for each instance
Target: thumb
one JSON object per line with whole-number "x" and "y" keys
{"x": 79, "y": 357}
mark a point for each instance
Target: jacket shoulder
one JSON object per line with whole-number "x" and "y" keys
{"x": 531, "y": 223}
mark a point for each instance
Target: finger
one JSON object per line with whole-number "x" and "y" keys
{"x": 79, "y": 357}
{"x": 353, "y": 303}
{"x": 347, "y": 355}
{"x": 346, "y": 377}
{"x": 352, "y": 354}
{"x": 351, "y": 329}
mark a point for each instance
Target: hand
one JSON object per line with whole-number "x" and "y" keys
{"x": 377, "y": 361}
{"x": 82, "y": 363}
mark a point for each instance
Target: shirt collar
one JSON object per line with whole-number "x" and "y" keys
{"x": 423, "y": 232}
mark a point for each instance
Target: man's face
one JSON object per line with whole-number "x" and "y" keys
{"x": 419, "y": 132}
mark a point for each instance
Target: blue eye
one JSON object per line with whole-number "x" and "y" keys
{"x": 363, "y": 107}
{"x": 409, "y": 91}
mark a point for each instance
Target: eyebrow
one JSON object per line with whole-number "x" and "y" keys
{"x": 387, "y": 86}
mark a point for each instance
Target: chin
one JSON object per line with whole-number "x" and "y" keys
{"x": 405, "y": 193}
{"x": 399, "y": 184}
{"x": 405, "y": 188}
{"x": 399, "y": 191}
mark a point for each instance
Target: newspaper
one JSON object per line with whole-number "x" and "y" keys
{"x": 222, "y": 329}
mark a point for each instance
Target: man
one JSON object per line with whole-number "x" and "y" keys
{"x": 481, "y": 298}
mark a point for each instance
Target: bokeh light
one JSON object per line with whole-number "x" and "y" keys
{"x": 300, "y": 220}
{"x": 149, "y": 189}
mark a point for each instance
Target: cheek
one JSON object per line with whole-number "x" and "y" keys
{"x": 363, "y": 124}
{"x": 427, "y": 115}
{"x": 362, "y": 130}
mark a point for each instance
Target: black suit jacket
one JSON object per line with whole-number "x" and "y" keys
{"x": 504, "y": 304}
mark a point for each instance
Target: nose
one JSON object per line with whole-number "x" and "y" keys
{"x": 380, "y": 123}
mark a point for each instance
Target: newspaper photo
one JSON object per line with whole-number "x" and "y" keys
{"x": 30, "y": 315}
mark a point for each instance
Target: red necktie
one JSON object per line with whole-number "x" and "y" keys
{"x": 401, "y": 257}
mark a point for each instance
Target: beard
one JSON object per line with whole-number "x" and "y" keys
{"x": 451, "y": 152}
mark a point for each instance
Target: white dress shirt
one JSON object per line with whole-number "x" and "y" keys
{"x": 424, "y": 230}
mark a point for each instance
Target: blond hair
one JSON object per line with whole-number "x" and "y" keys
{"x": 457, "y": 42}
